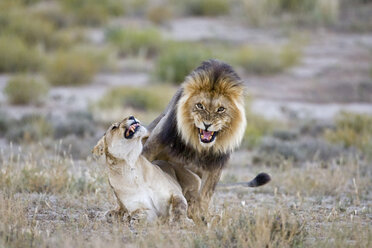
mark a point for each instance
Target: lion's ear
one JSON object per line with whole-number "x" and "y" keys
{"x": 99, "y": 149}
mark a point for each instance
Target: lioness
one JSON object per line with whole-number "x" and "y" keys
{"x": 141, "y": 188}
{"x": 199, "y": 129}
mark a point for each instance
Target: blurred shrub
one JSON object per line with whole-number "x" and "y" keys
{"x": 259, "y": 12}
{"x": 71, "y": 68}
{"x": 93, "y": 12}
{"x": 131, "y": 41}
{"x": 65, "y": 39}
{"x": 24, "y": 89}
{"x": 178, "y": 60}
{"x": 53, "y": 13}
{"x": 16, "y": 56}
{"x": 146, "y": 98}
{"x": 267, "y": 60}
{"x": 4, "y": 123}
{"x": 352, "y": 130}
{"x": 29, "y": 128}
{"x": 302, "y": 11}
{"x": 28, "y": 2}
{"x": 31, "y": 28}
{"x": 257, "y": 128}
{"x": 80, "y": 124}
{"x": 206, "y": 7}
{"x": 296, "y": 5}
{"x": 159, "y": 14}
{"x": 138, "y": 7}
{"x": 272, "y": 150}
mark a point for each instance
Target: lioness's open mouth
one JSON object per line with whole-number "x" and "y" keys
{"x": 207, "y": 136}
{"x": 131, "y": 130}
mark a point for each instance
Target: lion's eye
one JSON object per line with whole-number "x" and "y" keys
{"x": 199, "y": 106}
{"x": 221, "y": 109}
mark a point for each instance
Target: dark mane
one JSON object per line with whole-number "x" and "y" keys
{"x": 217, "y": 71}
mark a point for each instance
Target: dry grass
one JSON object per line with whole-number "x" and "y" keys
{"x": 49, "y": 200}
{"x": 25, "y": 89}
{"x": 352, "y": 130}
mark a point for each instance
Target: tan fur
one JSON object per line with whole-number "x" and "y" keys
{"x": 141, "y": 188}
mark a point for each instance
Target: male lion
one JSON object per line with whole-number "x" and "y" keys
{"x": 201, "y": 126}
{"x": 141, "y": 188}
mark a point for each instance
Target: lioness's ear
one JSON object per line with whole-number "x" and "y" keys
{"x": 99, "y": 149}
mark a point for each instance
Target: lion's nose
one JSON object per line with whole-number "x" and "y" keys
{"x": 206, "y": 126}
{"x": 132, "y": 118}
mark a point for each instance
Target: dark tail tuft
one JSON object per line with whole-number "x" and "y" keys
{"x": 259, "y": 180}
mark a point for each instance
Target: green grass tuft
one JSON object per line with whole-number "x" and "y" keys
{"x": 154, "y": 98}
{"x": 71, "y": 68}
{"x": 267, "y": 60}
{"x": 93, "y": 12}
{"x": 159, "y": 14}
{"x": 16, "y": 56}
{"x": 257, "y": 127}
{"x": 130, "y": 41}
{"x": 352, "y": 130}
{"x": 206, "y": 7}
{"x": 30, "y": 128}
{"x": 178, "y": 60}
{"x": 25, "y": 89}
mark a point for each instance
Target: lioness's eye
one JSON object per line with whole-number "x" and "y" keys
{"x": 199, "y": 106}
{"x": 220, "y": 109}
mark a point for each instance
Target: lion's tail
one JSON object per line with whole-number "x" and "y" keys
{"x": 261, "y": 179}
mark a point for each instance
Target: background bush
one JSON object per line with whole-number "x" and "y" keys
{"x": 146, "y": 99}
{"x": 206, "y": 7}
{"x": 29, "y": 128}
{"x": 25, "y": 89}
{"x": 178, "y": 60}
{"x": 267, "y": 60}
{"x": 30, "y": 28}
{"x": 134, "y": 41}
{"x": 352, "y": 130}
{"x": 93, "y": 12}
{"x": 71, "y": 68}
{"x": 16, "y": 56}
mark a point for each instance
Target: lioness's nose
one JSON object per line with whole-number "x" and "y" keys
{"x": 131, "y": 118}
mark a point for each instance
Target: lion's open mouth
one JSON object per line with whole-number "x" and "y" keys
{"x": 131, "y": 130}
{"x": 207, "y": 136}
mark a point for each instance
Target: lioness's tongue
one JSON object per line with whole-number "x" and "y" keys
{"x": 207, "y": 135}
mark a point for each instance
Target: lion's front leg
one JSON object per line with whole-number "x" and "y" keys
{"x": 199, "y": 206}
